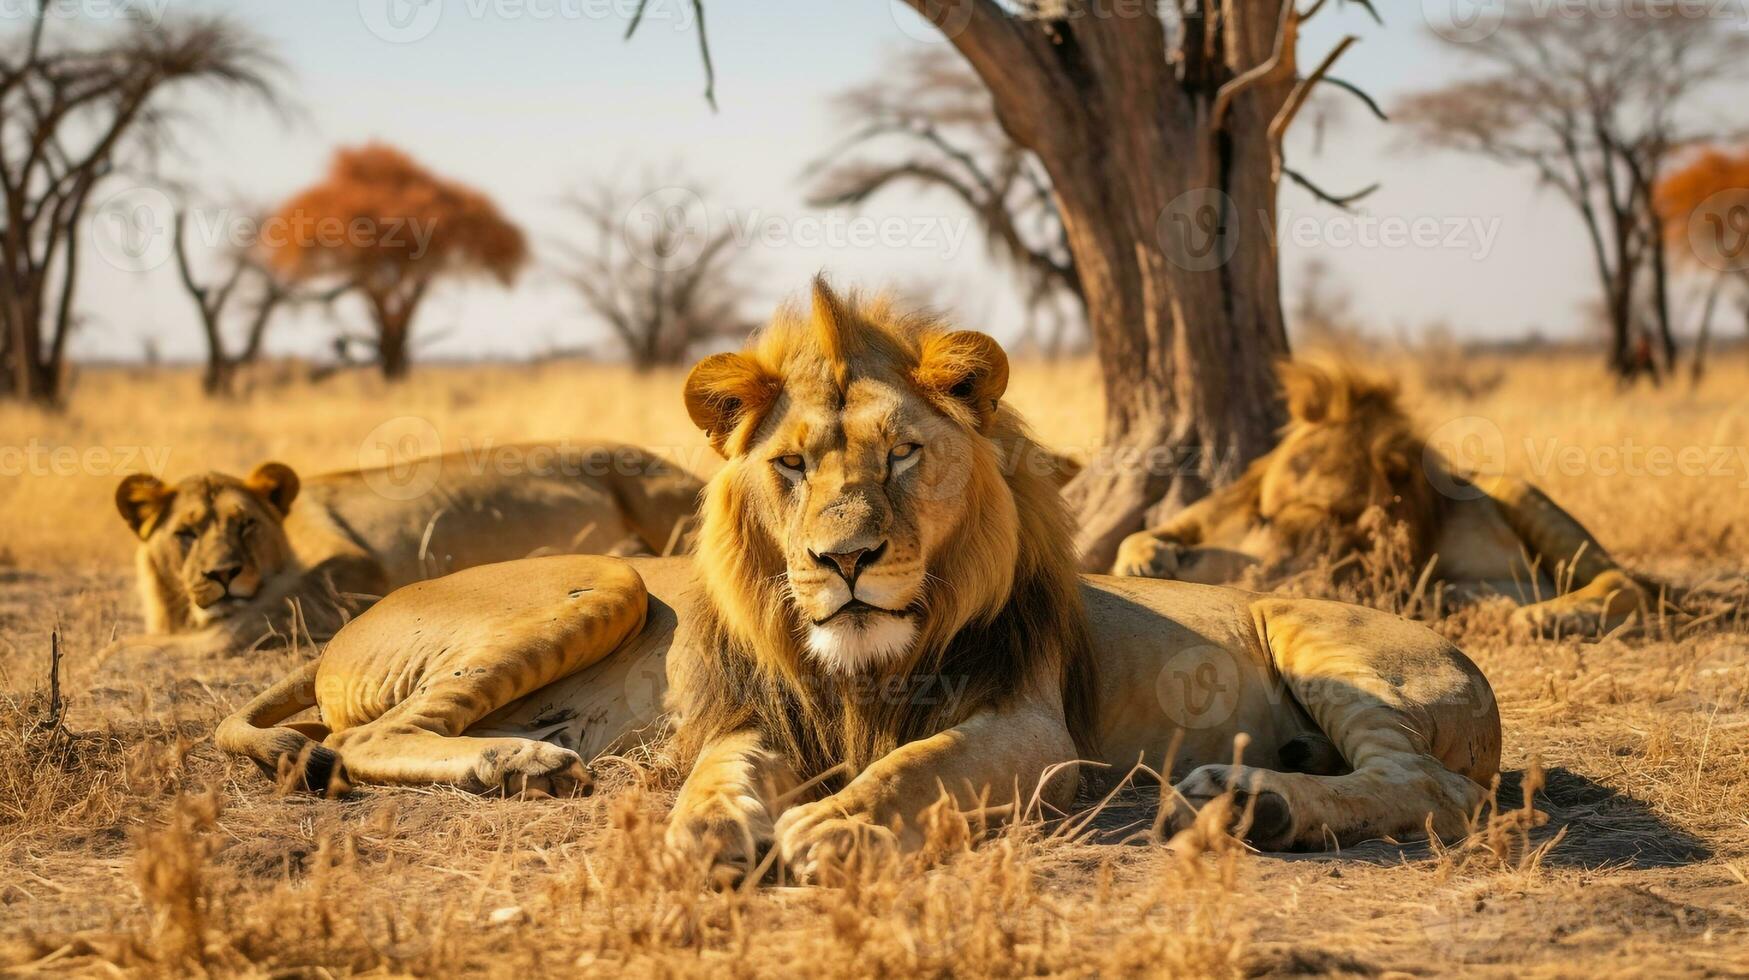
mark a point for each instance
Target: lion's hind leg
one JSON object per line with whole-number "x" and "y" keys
{"x": 1604, "y": 596}
{"x": 259, "y": 732}
{"x": 1413, "y": 719}
{"x": 403, "y": 684}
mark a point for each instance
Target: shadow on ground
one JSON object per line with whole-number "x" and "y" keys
{"x": 1605, "y": 827}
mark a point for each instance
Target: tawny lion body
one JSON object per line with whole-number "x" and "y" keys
{"x": 883, "y": 610}
{"x": 224, "y": 562}
{"x": 1349, "y": 447}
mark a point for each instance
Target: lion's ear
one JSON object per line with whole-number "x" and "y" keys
{"x": 966, "y": 367}
{"x": 725, "y": 390}
{"x": 142, "y": 498}
{"x": 1308, "y": 389}
{"x": 275, "y": 483}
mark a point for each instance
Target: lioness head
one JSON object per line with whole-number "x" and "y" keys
{"x": 209, "y": 542}
{"x": 1348, "y": 448}
{"x": 866, "y": 509}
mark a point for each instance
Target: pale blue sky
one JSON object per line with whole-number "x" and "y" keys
{"x": 528, "y": 98}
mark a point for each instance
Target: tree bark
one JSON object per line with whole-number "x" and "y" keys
{"x": 1171, "y": 221}
{"x": 392, "y": 352}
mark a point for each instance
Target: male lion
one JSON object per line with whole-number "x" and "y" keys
{"x": 1350, "y": 449}
{"x": 224, "y": 562}
{"x": 883, "y": 610}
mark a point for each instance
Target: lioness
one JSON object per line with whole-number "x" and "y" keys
{"x": 224, "y": 562}
{"x": 883, "y": 609}
{"x": 1349, "y": 447}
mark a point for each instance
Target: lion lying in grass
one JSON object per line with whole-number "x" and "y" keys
{"x": 1348, "y": 449}
{"x": 224, "y": 563}
{"x": 883, "y": 610}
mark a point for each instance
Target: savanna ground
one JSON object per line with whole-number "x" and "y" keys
{"x": 127, "y": 842}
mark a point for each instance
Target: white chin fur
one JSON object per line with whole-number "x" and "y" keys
{"x": 849, "y": 647}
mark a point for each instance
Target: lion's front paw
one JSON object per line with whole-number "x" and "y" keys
{"x": 820, "y": 841}
{"x": 1148, "y": 556}
{"x": 1257, "y": 812}
{"x": 1556, "y": 620}
{"x": 731, "y": 839}
{"x": 533, "y": 769}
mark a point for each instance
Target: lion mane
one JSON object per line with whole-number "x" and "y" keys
{"x": 1004, "y": 612}
{"x": 1366, "y": 408}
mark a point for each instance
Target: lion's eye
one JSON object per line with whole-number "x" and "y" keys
{"x": 186, "y": 537}
{"x": 792, "y": 464}
{"x": 246, "y": 526}
{"x": 904, "y": 451}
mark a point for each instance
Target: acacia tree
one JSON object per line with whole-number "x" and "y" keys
{"x": 640, "y": 269}
{"x": 245, "y": 291}
{"x": 383, "y": 225}
{"x": 1595, "y": 104}
{"x": 931, "y": 124}
{"x": 68, "y": 112}
{"x": 1704, "y": 207}
{"x": 1160, "y": 127}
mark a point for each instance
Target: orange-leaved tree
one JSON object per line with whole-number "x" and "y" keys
{"x": 1703, "y": 206}
{"x": 384, "y": 225}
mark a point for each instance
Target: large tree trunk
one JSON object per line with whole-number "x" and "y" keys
{"x": 1171, "y": 221}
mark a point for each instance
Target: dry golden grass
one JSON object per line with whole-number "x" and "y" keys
{"x": 128, "y": 842}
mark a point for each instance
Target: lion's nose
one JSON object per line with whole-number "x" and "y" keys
{"x": 223, "y": 576}
{"x": 849, "y": 564}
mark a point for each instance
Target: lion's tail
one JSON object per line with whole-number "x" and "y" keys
{"x": 255, "y": 732}
{"x": 657, "y": 498}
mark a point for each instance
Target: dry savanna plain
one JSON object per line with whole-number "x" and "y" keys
{"x": 1619, "y": 842}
